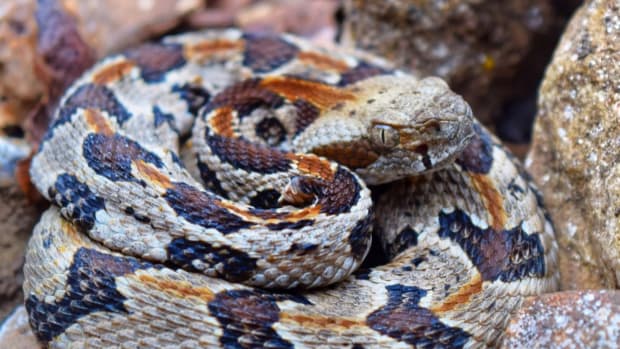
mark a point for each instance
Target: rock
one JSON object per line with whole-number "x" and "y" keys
{"x": 312, "y": 19}
{"x": 576, "y": 146}
{"x": 15, "y": 332}
{"x": 112, "y": 25}
{"x": 19, "y": 86}
{"x": 571, "y": 319}
{"x": 17, "y": 218}
{"x": 106, "y": 26}
{"x": 487, "y": 50}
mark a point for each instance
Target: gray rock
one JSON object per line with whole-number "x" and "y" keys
{"x": 576, "y": 146}
{"x": 571, "y": 319}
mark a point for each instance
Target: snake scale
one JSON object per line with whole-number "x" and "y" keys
{"x": 194, "y": 205}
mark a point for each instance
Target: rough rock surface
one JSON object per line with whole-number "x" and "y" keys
{"x": 19, "y": 86}
{"x": 571, "y": 319}
{"x": 311, "y": 19}
{"x": 15, "y": 333}
{"x": 122, "y": 24}
{"x": 576, "y": 147}
{"x": 478, "y": 46}
{"x": 126, "y": 23}
{"x": 17, "y": 218}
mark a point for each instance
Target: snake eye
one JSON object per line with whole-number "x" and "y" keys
{"x": 385, "y": 136}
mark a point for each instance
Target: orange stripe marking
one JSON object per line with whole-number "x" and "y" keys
{"x": 273, "y": 217}
{"x": 152, "y": 174}
{"x": 492, "y": 198}
{"x": 322, "y": 61}
{"x": 312, "y": 165}
{"x": 321, "y": 321}
{"x": 321, "y": 95}
{"x": 221, "y": 121}
{"x": 181, "y": 289}
{"x": 112, "y": 72}
{"x": 98, "y": 122}
{"x": 209, "y": 48}
{"x": 462, "y": 296}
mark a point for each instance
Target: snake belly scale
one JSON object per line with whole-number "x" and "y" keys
{"x": 196, "y": 203}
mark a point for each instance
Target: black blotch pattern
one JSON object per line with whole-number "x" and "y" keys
{"x": 478, "y": 155}
{"x": 402, "y": 318}
{"x": 266, "y": 199}
{"x": 209, "y": 179}
{"x": 13, "y": 131}
{"x": 195, "y": 96}
{"x": 245, "y": 97}
{"x": 515, "y": 190}
{"x": 236, "y": 266}
{"x": 111, "y": 156}
{"x": 160, "y": 118}
{"x": 426, "y": 160}
{"x": 306, "y": 114}
{"x": 155, "y": 60}
{"x": 271, "y": 131}
{"x": 506, "y": 255}
{"x": 265, "y": 52}
{"x": 362, "y": 71}
{"x": 290, "y": 225}
{"x": 302, "y": 248}
{"x": 140, "y": 218}
{"x": 176, "y": 160}
{"x": 361, "y": 237}
{"x": 84, "y": 204}
{"x": 342, "y": 194}
{"x": 89, "y": 96}
{"x": 248, "y": 156}
{"x": 418, "y": 260}
{"x": 249, "y": 315}
{"x": 91, "y": 287}
{"x": 406, "y": 238}
{"x": 363, "y": 274}
{"x": 201, "y": 208}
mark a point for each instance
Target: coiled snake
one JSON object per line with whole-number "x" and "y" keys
{"x": 238, "y": 237}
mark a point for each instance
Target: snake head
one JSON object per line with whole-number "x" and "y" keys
{"x": 413, "y": 126}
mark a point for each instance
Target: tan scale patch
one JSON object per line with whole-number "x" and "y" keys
{"x": 460, "y": 297}
{"x": 492, "y": 198}
{"x": 112, "y": 72}
{"x": 322, "y": 62}
{"x": 321, "y": 95}
{"x": 221, "y": 120}
{"x": 209, "y": 48}
{"x": 97, "y": 122}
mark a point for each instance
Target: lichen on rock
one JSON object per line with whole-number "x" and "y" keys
{"x": 576, "y": 146}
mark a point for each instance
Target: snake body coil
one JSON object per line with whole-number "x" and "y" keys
{"x": 243, "y": 235}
